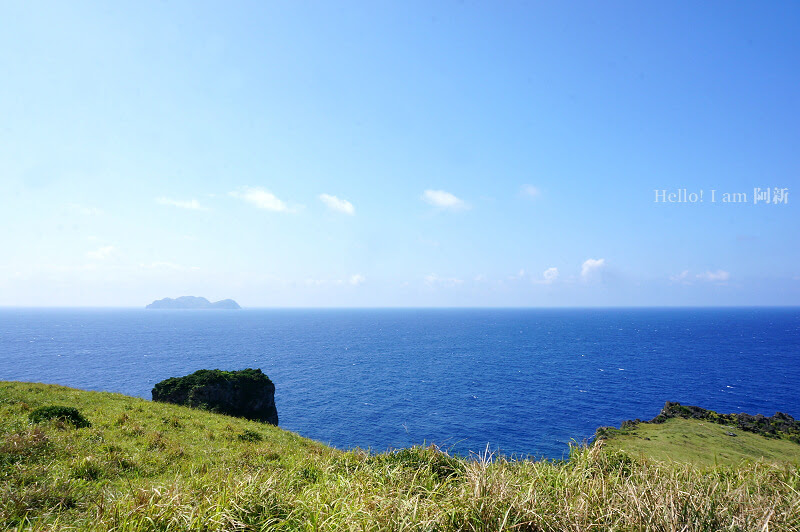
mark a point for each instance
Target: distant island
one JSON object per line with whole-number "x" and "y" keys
{"x": 193, "y": 303}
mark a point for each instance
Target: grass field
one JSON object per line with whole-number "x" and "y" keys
{"x": 701, "y": 442}
{"x": 152, "y": 466}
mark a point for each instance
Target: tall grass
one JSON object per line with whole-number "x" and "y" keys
{"x": 143, "y": 466}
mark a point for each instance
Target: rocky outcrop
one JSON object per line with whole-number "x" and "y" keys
{"x": 778, "y": 426}
{"x": 193, "y": 303}
{"x": 247, "y": 393}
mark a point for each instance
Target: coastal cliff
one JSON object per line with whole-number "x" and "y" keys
{"x": 247, "y": 393}
{"x": 777, "y": 426}
{"x": 694, "y": 435}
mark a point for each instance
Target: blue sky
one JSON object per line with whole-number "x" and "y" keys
{"x": 398, "y": 153}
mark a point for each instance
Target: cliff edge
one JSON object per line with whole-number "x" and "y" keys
{"x": 247, "y": 393}
{"x": 777, "y": 426}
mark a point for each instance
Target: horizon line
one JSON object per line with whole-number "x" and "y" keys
{"x": 407, "y": 307}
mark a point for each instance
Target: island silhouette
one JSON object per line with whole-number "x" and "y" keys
{"x": 192, "y": 303}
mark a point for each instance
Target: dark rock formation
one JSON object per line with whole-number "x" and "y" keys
{"x": 193, "y": 303}
{"x": 247, "y": 393}
{"x": 778, "y": 426}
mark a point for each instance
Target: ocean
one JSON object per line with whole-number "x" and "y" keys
{"x": 524, "y": 382}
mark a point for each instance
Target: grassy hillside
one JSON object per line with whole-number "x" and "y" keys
{"x": 701, "y": 442}
{"x": 151, "y": 466}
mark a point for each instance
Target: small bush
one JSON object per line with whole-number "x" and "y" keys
{"x": 66, "y": 414}
{"x": 251, "y": 436}
{"x": 438, "y": 462}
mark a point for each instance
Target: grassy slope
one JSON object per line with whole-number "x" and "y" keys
{"x": 701, "y": 442}
{"x": 150, "y": 466}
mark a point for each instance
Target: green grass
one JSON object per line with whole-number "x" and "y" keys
{"x": 701, "y": 442}
{"x": 155, "y": 466}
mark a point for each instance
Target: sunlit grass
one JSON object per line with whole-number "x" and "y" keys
{"x": 154, "y": 466}
{"x": 702, "y": 442}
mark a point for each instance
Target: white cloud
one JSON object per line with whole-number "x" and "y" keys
{"x": 444, "y": 200}
{"x": 261, "y": 198}
{"x": 550, "y": 275}
{"x": 357, "y": 279}
{"x": 435, "y": 280}
{"x": 336, "y": 204}
{"x": 682, "y": 277}
{"x": 530, "y": 191}
{"x": 719, "y": 276}
{"x": 101, "y": 253}
{"x": 591, "y": 267}
{"x": 192, "y": 204}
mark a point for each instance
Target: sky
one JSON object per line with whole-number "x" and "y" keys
{"x": 400, "y": 154}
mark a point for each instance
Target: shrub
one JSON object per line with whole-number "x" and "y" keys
{"x": 438, "y": 462}
{"x": 66, "y": 414}
{"x": 251, "y": 436}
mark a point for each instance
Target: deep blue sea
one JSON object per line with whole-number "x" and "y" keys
{"x": 525, "y": 382}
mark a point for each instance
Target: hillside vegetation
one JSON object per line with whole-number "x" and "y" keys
{"x": 141, "y": 465}
{"x": 701, "y": 442}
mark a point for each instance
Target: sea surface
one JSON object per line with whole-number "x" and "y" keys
{"x": 524, "y": 382}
